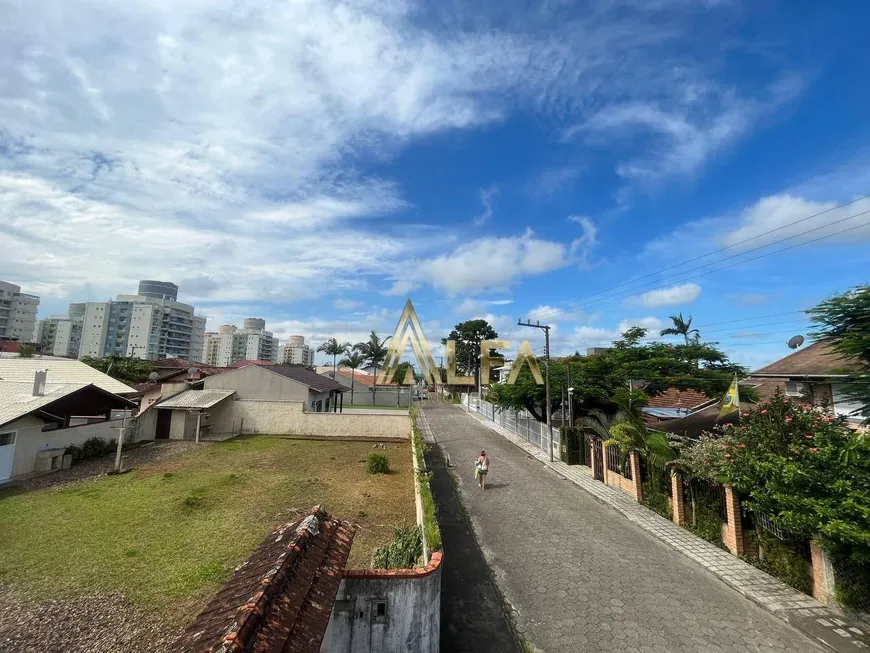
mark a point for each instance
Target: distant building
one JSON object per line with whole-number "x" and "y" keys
{"x": 60, "y": 335}
{"x": 150, "y": 326}
{"x": 17, "y": 312}
{"x": 296, "y": 352}
{"x": 231, "y": 344}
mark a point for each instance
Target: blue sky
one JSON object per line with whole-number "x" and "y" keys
{"x": 315, "y": 163}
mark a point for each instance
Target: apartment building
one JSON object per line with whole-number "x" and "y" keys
{"x": 61, "y": 335}
{"x": 17, "y": 312}
{"x": 151, "y": 324}
{"x": 231, "y": 344}
{"x": 296, "y": 352}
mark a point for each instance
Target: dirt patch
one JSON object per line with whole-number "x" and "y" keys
{"x": 148, "y": 454}
{"x": 96, "y": 623}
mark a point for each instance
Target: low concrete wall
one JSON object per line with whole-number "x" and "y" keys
{"x": 31, "y": 439}
{"x": 288, "y": 418}
{"x": 387, "y": 610}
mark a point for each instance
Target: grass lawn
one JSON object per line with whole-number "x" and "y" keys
{"x": 168, "y": 535}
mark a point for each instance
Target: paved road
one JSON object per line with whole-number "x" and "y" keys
{"x": 472, "y": 612}
{"x": 582, "y": 578}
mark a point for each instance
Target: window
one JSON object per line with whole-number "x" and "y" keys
{"x": 380, "y": 611}
{"x": 7, "y": 438}
{"x": 795, "y": 389}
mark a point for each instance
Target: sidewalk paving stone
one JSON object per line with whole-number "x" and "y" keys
{"x": 787, "y": 603}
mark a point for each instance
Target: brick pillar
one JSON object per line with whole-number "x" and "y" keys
{"x": 732, "y": 532}
{"x": 823, "y": 575}
{"x": 636, "y": 484}
{"x": 677, "y": 499}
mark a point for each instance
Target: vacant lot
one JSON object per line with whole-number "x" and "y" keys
{"x": 168, "y": 534}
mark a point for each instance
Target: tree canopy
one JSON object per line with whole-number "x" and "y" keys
{"x": 468, "y": 336}
{"x": 844, "y": 322}
{"x": 599, "y": 378}
{"x": 125, "y": 370}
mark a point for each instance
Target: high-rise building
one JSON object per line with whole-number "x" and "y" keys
{"x": 17, "y": 312}
{"x": 151, "y": 326}
{"x": 60, "y": 335}
{"x": 296, "y": 352}
{"x": 231, "y": 344}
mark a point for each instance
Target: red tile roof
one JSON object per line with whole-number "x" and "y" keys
{"x": 246, "y": 362}
{"x": 678, "y": 398}
{"x": 281, "y": 598}
{"x": 367, "y": 380}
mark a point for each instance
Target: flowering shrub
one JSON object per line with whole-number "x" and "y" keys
{"x": 808, "y": 472}
{"x": 705, "y": 458}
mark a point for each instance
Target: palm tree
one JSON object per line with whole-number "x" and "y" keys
{"x": 627, "y": 429}
{"x": 354, "y": 361}
{"x": 681, "y": 328}
{"x": 373, "y": 351}
{"x": 334, "y": 348}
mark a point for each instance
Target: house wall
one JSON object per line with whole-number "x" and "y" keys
{"x": 31, "y": 439}
{"x": 181, "y": 427}
{"x": 411, "y": 623}
{"x": 288, "y": 418}
{"x": 254, "y": 383}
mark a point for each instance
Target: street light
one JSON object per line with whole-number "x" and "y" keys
{"x": 570, "y": 408}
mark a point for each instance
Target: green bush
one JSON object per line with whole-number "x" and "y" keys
{"x": 852, "y": 586}
{"x": 94, "y": 447}
{"x": 430, "y": 518}
{"x": 782, "y": 560}
{"x": 403, "y": 552}
{"x": 76, "y": 452}
{"x": 707, "y": 522}
{"x": 378, "y": 463}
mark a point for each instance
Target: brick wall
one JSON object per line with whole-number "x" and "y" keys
{"x": 732, "y": 532}
{"x": 629, "y": 486}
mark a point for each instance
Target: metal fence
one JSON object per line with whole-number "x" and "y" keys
{"x": 520, "y": 423}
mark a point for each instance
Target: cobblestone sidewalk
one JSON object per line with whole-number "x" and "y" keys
{"x": 826, "y": 625}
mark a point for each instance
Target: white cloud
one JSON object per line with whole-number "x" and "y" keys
{"x": 226, "y": 146}
{"x": 651, "y": 324}
{"x": 753, "y": 298}
{"x": 748, "y": 228}
{"x": 486, "y": 195}
{"x": 582, "y": 246}
{"x": 776, "y": 213}
{"x": 401, "y": 287}
{"x": 492, "y": 263}
{"x": 673, "y": 296}
{"x": 346, "y": 304}
{"x": 589, "y": 336}
{"x": 680, "y": 133}
{"x": 552, "y": 313}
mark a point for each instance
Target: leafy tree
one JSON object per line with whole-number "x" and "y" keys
{"x": 334, "y": 348}
{"x": 468, "y": 336}
{"x": 844, "y": 322}
{"x": 399, "y": 376}
{"x": 808, "y": 472}
{"x": 354, "y": 360}
{"x": 627, "y": 430}
{"x": 597, "y": 379}
{"x": 681, "y": 328}
{"x": 126, "y": 370}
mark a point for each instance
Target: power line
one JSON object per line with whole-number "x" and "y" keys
{"x": 741, "y": 262}
{"x": 722, "y": 249}
{"x": 747, "y": 319}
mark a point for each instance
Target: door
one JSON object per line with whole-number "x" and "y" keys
{"x": 164, "y": 419}
{"x": 7, "y": 453}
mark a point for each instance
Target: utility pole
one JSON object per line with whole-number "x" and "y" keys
{"x": 570, "y": 398}
{"x": 121, "y": 432}
{"x": 546, "y": 329}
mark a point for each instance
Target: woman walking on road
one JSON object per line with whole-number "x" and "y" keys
{"x": 481, "y": 468}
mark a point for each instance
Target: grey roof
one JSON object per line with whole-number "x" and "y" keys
{"x": 313, "y": 380}
{"x": 17, "y": 399}
{"x": 196, "y": 399}
{"x": 62, "y": 370}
